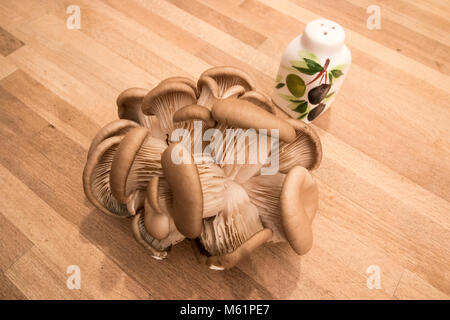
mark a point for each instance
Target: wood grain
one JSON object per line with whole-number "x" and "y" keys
{"x": 384, "y": 180}
{"x": 8, "y": 43}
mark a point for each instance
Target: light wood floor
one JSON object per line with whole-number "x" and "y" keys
{"x": 384, "y": 180}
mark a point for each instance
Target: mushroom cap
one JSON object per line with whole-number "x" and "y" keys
{"x": 260, "y": 99}
{"x": 123, "y": 160}
{"x": 307, "y": 153}
{"x": 157, "y": 222}
{"x": 191, "y": 83}
{"x": 236, "y": 76}
{"x": 194, "y": 112}
{"x": 298, "y": 202}
{"x": 88, "y": 175}
{"x": 141, "y": 236}
{"x": 184, "y": 181}
{"x": 210, "y": 83}
{"x": 233, "y": 92}
{"x": 243, "y": 114}
{"x": 229, "y": 260}
{"x": 129, "y": 105}
{"x": 162, "y": 90}
{"x": 117, "y": 127}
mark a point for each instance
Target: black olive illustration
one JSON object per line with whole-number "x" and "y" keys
{"x": 314, "y": 113}
{"x": 317, "y": 94}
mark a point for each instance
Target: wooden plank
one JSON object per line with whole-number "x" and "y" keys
{"x": 222, "y": 22}
{"x": 6, "y": 67}
{"x": 8, "y": 291}
{"x": 354, "y": 39}
{"x": 62, "y": 245}
{"x": 395, "y": 36}
{"x": 13, "y": 243}
{"x": 67, "y": 87}
{"x": 52, "y": 108}
{"x": 8, "y": 43}
{"x": 384, "y": 182}
{"x": 412, "y": 286}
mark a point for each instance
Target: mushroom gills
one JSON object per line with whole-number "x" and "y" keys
{"x": 304, "y": 151}
{"x": 212, "y": 180}
{"x": 264, "y": 192}
{"x": 245, "y": 154}
{"x": 239, "y": 221}
{"x": 146, "y": 164}
{"x": 101, "y": 187}
{"x": 164, "y": 100}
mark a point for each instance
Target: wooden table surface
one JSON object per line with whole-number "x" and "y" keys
{"x": 384, "y": 180}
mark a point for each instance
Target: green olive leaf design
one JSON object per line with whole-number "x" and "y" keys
{"x": 306, "y": 71}
{"x": 340, "y": 67}
{"x": 289, "y": 69}
{"x": 286, "y": 97}
{"x": 279, "y": 85}
{"x": 328, "y": 97}
{"x": 330, "y": 76}
{"x": 308, "y": 55}
{"x": 295, "y": 85}
{"x": 336, "y": 73}
{"x": 312, "y": 65}
{"x": 279, "y": 78}
{"x": 302, "y": 116}
{"x": 299, "y": 64}
{"x": 301, "y": 107}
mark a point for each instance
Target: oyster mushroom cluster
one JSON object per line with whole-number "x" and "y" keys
{"x": 226, "y": 208}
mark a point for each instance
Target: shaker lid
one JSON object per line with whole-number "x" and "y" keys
{"x": 323, "y": 35}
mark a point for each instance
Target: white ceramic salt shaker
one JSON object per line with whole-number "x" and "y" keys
{"x": 312, "y": 70}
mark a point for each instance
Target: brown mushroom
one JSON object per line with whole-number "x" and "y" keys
{"x": 184, "y": 181}
{"x": 229, "y": 260}
{"x": 298, "y": 202}
{"x": 123, "y": 160}
{"x": 222, "y": 82}
{"x": 305, "y": 150}
{"x": 212, "y": 180}
{"x": 260, "y": 99}
{"x": 129, "y": 104}
{"x": 164, "y": 100}
{"x": 96, "y": 178}
{"x": 191, "y": 83}
{"x": 136, "y": 160}
{"x": 264, "y": 192}
{"x": 194, "y": 112}
{"x": 243, "y": 114}
{"x": 158, "y": 248}
{"x": 226, "y": 77}
{"x": 157, "y": 222}
{"x": 115, "y": 128}
{"x": 224, "y": 236}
